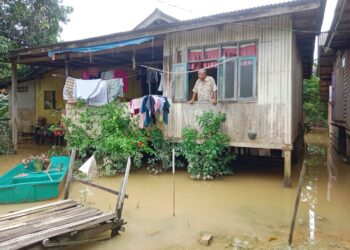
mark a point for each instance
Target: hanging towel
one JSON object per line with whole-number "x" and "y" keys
{"x": 114, "y": 89}
{"x": 119, "y": 73}
{"x": 87, "y": 88}
{"x": 135, "y": 105}
{"x": 101, "y": 98}
{"x": 160, "y": 88}
{"x": 69, "y": 90}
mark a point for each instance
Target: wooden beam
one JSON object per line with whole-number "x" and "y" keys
{"x": 114, "y": 52}
{"x": 287, "y": 168}
{"x": 14, "y": 106}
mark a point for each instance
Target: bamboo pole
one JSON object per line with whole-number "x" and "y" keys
{"x": 98, "y": 186}
{"x": 122, "y": 192}
{"x": 173, "y": 161}
{"x": 70, "y": 174}
{"x": 296, "y": 205}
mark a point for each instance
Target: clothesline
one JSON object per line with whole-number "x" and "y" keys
{"x": 189, "y": 71}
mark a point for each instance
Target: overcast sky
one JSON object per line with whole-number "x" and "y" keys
{"x": 100, "y": 17}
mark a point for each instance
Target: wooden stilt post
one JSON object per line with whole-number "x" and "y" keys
{"x": 287, "y": 168}
{"x": 66, "y": 66}
{"x": 14, "y": 106}
{"x": 122, "y": 192}
{"x": 70, "y": 174}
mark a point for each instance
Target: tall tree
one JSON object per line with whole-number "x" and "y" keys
{"x": 25, "y": 23}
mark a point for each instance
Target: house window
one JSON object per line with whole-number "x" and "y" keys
{"x": 232, "y": 66}
{"x": 22, "y": 89}
{"x": 49, "y": 99}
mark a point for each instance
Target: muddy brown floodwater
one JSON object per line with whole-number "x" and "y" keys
{"x": 249, "y": 210}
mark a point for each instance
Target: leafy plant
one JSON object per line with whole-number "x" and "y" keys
{"x": 207, "y": 151}
{"x": 315, "y": 110}
{"x": 110, "y": 133}
{"x": 28, "y": 23}
{"x": 57, "y": 151}
{"x": 160, "y": 157}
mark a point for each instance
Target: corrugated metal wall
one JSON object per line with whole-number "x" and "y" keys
{"x": 270, "y": 116}
{"x": 297, "y": 90}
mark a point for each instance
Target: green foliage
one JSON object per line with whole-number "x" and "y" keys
{"x": 111, "y": 134}
{"x": 207, "y": 151}
{"x": 315, "y": 110}
{"x": 57, "y": 151}
{"x": 26, "y": 23}
{"x": 160, "y": 157}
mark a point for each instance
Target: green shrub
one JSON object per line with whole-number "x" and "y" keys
{"x": 207, "y": 151}
{"x": 110, "y": 133}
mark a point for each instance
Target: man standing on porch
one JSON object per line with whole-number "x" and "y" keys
{"x": 205, "y": 88}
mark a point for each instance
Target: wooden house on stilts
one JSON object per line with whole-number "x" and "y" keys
{"x": 258, "y": 57}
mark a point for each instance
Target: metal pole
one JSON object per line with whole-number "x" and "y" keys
{"x": 173, "y": 182}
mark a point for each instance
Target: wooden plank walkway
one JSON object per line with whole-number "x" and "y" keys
{"x": 58, "y": 224}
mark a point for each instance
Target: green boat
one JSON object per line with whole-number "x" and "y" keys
{"x": 25, "y": 184}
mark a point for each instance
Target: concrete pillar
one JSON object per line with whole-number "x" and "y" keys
{"x": 14, "y": 106}
{"x": 287, "y": 168}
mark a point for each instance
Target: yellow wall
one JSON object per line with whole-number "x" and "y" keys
{"x": 49, "y": 83}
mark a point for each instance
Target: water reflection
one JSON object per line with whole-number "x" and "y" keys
{"x": 331, "y": 169}
{"x": 314, "y": 160}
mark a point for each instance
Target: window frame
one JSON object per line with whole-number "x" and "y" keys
{"x": 235, "y": 97}
{"x": 185, "y": 66}
{"x": 53, "y": 101}
{"x": 254, "y": 96}
{"x": 237, "y": 59}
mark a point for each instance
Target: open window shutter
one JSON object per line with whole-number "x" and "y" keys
{"x": 227, "y": 75}
{"x": 180, "y": 82}
{"x": 221, "y": 78}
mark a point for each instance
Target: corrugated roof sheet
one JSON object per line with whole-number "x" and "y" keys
{"x": 215, "y": 17}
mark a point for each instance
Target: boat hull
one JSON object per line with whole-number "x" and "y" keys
{"x": 33, "y": 186}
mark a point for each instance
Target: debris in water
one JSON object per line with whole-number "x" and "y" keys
{"x": 206, "y": 239}
{"x": 272, "y": 238}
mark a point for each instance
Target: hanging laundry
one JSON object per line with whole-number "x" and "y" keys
{"x": 148, "y": 108}
{"x": 114, "y": 89}
{"x": 166, "y": 110}
{"x": 69, "y": 90}
{"x": 107, "y": 75}
{"x": 119, "y": 73}
{"x": 87, "y": 88}
{"x": 101, "y": 98}
{"x": 135, "y": 105}
{"x": 161, "y": 83}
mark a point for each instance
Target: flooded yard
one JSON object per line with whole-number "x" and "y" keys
{"x": 248, "y": 210}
